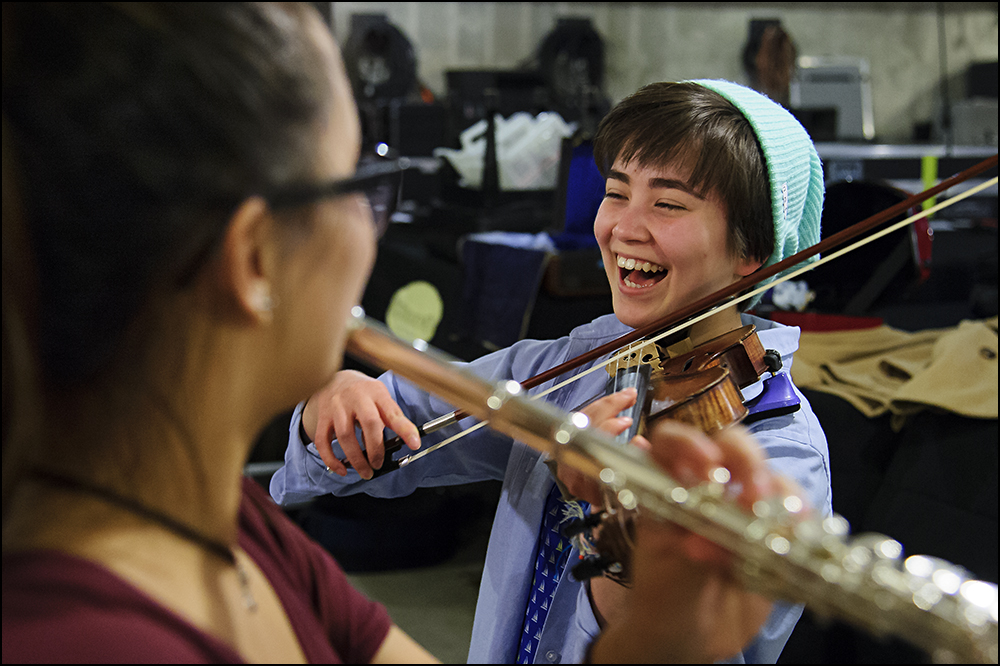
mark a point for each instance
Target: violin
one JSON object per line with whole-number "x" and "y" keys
{"x": 700, "y": 386}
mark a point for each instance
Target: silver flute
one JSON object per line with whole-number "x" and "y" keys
{"x": 781, "y": 550}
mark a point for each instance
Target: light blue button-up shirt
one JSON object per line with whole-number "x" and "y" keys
{"x": 795, "y": 445}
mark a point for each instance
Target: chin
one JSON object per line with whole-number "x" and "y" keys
{"x": 630, "y": 317}
{"x": 636, "y": 315}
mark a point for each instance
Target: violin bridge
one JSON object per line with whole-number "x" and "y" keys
{"x": 647, "y": 353}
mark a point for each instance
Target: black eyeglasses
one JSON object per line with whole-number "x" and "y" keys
{"x": 379, "y": 180}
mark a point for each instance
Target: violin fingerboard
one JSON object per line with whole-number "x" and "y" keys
{"x": 636, "y": 377}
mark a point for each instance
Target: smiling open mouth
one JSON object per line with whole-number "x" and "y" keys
{"x": 640, "y": 274}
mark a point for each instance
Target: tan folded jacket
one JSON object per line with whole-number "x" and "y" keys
{"x": 884, "y": 369}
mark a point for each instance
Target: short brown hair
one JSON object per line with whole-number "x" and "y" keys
{"x": 666, "y": 122}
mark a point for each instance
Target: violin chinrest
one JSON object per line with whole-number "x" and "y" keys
{"x": 777, "y": 399}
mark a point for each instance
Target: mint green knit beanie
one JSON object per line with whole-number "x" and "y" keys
{"x": 793, "y": 167}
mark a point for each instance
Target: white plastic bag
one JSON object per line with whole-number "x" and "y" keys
{"x": 528, "y": 151}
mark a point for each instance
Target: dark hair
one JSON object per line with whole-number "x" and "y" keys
{"x": 21, "y": 400}
{"x": 664, "y": 123}
{"x": 140, "y": 128}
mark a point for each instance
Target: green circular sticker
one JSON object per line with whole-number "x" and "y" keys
{"x": 415, "y": 311}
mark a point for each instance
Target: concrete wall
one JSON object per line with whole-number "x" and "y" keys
{"x": 659, "y": 41}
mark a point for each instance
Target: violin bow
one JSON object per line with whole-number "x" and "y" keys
{"x": 727, "y": 296}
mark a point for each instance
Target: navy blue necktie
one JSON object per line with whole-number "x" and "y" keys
{"x": 553, "y": 552}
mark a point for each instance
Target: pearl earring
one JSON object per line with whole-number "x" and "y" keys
{"x": 262, "y": 299}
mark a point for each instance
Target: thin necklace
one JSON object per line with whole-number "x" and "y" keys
{"x": 180, "y": 529}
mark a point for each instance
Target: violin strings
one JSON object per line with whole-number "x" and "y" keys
{"x": 616, "y": 359}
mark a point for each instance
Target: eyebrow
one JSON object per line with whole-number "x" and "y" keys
{"x": 658, "y": 183}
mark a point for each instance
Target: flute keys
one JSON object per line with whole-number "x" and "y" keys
{"x": 609, "y": 477}
{"x": 569, "y": 428}
{"x": 836, "y": 525}
{"x": 720, "y": 475}
{"x": 792, "y": 504}
{"x": 502, "y": 394}
{"x": 628, "y": 499}
{"x": 778, "y": 544}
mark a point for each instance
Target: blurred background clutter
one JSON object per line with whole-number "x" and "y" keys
{"x": 496, "y": 104}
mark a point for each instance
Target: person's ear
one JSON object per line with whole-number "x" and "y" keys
{"x": 248, "y": 261}
{"x": 747, "y": 265}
